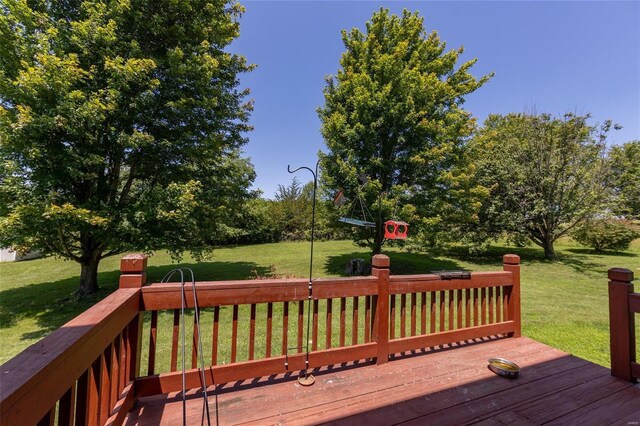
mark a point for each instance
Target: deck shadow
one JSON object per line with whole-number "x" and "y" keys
{"x": 447, "y": 387}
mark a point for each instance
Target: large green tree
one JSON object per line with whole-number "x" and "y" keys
{"x": 393, "y": 115}
{"x": 120, "y": 124}
{"x": 546, "y": 175}
{"x": 624, "y": 163}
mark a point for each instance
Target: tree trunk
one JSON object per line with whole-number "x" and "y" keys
{"x": 377, "y": 247}
{"x": 549, "y": 251}
{"x": 89, "y": 274}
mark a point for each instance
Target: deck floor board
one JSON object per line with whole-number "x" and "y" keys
{"x": 442, "y": 386}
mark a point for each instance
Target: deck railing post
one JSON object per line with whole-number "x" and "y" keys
{"x": 133, "y": 269}
{"x": 511, "y": 263}
{"x": 621, "y": 323}
{"x": 380, "y": 333}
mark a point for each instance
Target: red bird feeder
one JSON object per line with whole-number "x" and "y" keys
{"x": 395, "y": 230}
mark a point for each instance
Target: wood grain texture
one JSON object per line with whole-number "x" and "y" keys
{"x": 36, "y": 379}
{"x": 446, "y": 386}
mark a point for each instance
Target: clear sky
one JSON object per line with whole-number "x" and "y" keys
{"x": 553, "y": 57}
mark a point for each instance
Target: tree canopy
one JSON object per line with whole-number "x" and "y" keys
{"x": 624, "y": 163}
{"x": 121, "y": 125}
{"x": 546, "y": 176}
{"x": 393, "y": 115}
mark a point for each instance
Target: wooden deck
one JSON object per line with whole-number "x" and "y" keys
{"x": 450, "y": 385}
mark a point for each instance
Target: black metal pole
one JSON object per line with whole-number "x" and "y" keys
{"x": 308, "y": 379}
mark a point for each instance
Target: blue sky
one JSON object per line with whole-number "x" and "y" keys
{"x": 553, "y": 57}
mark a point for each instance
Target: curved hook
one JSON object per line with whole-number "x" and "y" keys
{"x": 315, "y": 174}
{"x": 300, "y": 168}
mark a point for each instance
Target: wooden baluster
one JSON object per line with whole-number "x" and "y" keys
{"x": 234, "y": 334}
{"x": 285, "y": 327}
{"x": 122, "y": 381}
{"x": 467, "y": 304}
{"x": 367, "y": 319}
{"x": 93, "y": 393}
{"x": 300, "y": 324}
{"x": 498, "y": 304}
{"x": 49, "y": 418}
{"x": 105, "y": 385}
{"x": 215, "y": 335}
{"x": 196, "y": 336}
{"x": 82, "y": 396}
{"x": 66, "y": 407}
{"x": 153, "y": 334}
{"x": 451, "y": 309}
{"x": 483, "y": 304}
{"x": 423, "y": 313}
{"x": 314, "y": 327}
{"x": 134, "y": 347}
{"x": 403, "y": 314}
{"x": 505, "y": 304}
{"x": 174, "y": 339}
{"x": 328, "y": 326}
{"x": 115, "y": 373}
{"x": 354, "y": 324}
{"x": 459, "y": 313}
{"x": 491, "y": 305}
{"x": 442, "y": 309}
{"x": 432, "y": 323}
{"x": 252, "y": 331}
{"x": 414, "y": 296}
{"x": 343, "y": 308}
{"x": 392, "y": 322}
{"x": 475, "y": 307}
{"x": 269, "y": 329}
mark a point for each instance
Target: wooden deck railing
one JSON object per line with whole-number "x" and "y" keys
{"x": 352, "y": 319}
{"x": 88, "y": 372}
{"x": 83, "y": 372}
{"x": 623, "y": 305}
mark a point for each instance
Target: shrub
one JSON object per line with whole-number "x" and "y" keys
{"x": 606, "y": 234}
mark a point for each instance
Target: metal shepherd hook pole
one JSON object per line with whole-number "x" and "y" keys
{"x": 308, "y": 379}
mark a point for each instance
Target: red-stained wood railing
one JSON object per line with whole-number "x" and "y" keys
{"x": 88, "y": 372}
{"x": 265, "y": 323}
{"x": 351, "y": 319}
{"x": 427, "y": 311}
{"x": 623, "y": 305}
{"x": 83, "y": 372}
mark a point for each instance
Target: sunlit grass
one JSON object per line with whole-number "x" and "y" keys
{"x": 564, "y": 303}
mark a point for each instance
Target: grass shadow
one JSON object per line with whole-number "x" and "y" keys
{"x": 582, "y": 260}
{"x": 210, "y": 271}
{"x": 402, "y": 263}
{"x": 51, "y": 304}
{"x": 493, "y": 255}
{"x": 591, "y": 252}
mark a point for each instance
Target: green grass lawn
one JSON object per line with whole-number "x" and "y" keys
{"x": 564, "y": 303}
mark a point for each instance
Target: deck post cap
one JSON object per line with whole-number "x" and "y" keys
{"x": 133, "y": 263}
{"x": 511, "y": 259}
{"x": 620, "y": 274}
{"x": 381, "y": 261}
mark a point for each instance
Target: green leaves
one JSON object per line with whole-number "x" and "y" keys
{"x": 546, "y": 176}
{"x": 393, "y": 113}
{"x": 120, "y": 125}
{"x": 624, "y": 163}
